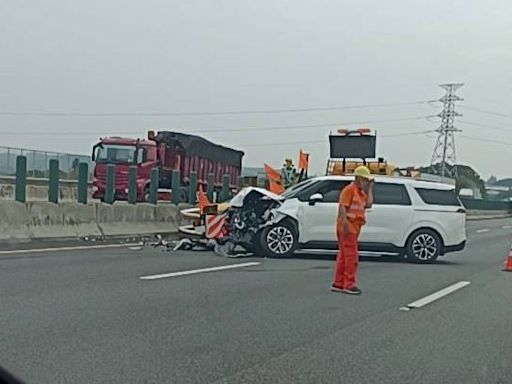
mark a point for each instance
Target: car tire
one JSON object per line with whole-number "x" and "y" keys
{"x": 424, "y": 246}
{"x": 279, "y": 240}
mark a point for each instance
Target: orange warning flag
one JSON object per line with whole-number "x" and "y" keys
{"x": 303, "y": 160}
{"x": 275, "y": 187}
{"x": 272, "y": 174}
{"x": 274, "y": 180}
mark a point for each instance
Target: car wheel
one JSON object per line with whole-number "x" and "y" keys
{"x": 424, "y": 246}
{"x": 279, "y": 240}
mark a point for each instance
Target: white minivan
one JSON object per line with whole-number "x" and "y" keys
{"x": 419, "y": 220}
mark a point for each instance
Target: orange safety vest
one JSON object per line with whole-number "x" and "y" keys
{"x": 356, "y": 208}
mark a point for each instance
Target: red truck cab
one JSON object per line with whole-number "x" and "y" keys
{"x": 123, "y": 153}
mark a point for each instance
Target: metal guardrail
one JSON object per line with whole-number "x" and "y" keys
{"x": 38, "y": 162}
{"x": 39, "y": 181}
{"x": 82, "y": 183}
{"x": 486, "y": 205}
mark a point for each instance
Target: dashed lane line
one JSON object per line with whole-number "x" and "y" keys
{"x": 76, "y": 248}
{"x": 436, "y": 295}
{"x": 195, "y": 271}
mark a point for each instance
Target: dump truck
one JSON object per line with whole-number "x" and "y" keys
{"x": 168, "y": 151}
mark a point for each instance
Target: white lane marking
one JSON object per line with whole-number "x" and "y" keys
{"x": 76, "y": 248}
{"x": 506, "y": 227}
{"x": 194, "y": 271}
{"x": 439, "y": 294}
{"x": 483, "y": 230}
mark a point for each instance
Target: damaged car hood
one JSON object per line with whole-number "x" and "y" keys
{"x": 238, "y": 200}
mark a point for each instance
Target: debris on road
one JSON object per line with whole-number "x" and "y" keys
{"x": 229, "y": 229}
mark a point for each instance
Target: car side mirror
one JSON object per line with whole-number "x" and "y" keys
{"x": 315, "y": 198}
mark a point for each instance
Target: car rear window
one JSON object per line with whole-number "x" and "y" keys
{"x": 438, "y": 196}
{"x": 390, "y": 194}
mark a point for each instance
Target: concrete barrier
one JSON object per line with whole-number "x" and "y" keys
{"x": 14, "y": 221}
{"x": 475, "y": 215}
{"x": 117, "y": 219}
{"x": 44, "y": 220}
{"x": 125, "y": 219}
{"x": 82, "y": 217}
{"x": 480, "y": 212}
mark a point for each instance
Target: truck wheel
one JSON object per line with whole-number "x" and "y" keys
{"x": 146, "y": 195}
{"x": 424, "y": 246}
{"x": 279, "y": 240}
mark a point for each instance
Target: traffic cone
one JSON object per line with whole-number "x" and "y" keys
{"x": 508, "y": 262}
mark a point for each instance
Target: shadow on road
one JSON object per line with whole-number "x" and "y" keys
{"x": 371, "y": 259}
{"x": 332, "y": 257}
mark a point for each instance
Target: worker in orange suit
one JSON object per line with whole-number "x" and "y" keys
{"x": 353, "y": 201}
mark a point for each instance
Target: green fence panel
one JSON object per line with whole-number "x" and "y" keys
{"x": 21, "y": 179}
{"x": 53, "y": 181}
{"x": 176, "y": 187}
{"x": 83, "y": 176}
{"x": 210, "y": 186}
{"x": 153, "y": 186}
{"x": 192, "y": 191}
{"x": 110, "y": 188}
{"x": 225, "y": 192}
{"x": 132, "y": 184}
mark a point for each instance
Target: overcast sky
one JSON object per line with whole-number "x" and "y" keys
{"x": 100, "y": 56}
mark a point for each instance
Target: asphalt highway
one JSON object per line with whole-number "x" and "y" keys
{"x": 143, "y": 315}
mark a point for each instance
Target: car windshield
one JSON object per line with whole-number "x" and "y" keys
{"x": 292, "y": 191}
{"x": 115, "y": 154}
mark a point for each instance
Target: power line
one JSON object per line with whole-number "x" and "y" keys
{"x": 484, "y": 125}
{"x": 200, "y": 130}
{"x": 480, "y": 139}
{"x": 304, "y": 143}
{"x": 486, "y": 111}
{"x": 213, "y": 113}
{"x": 410, "y": 133}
